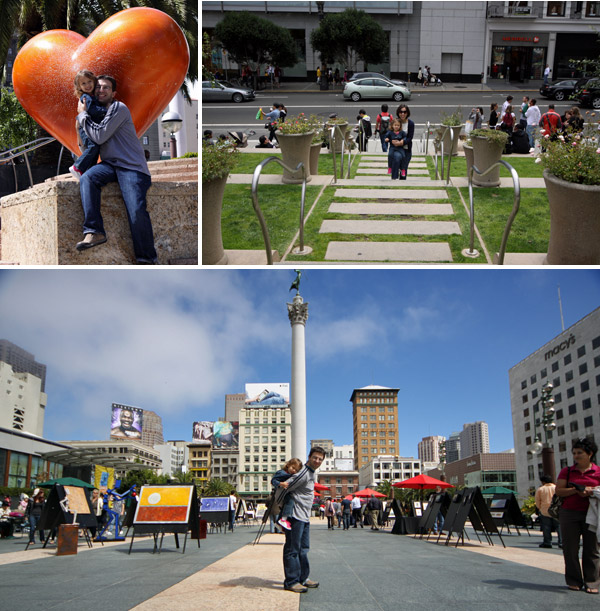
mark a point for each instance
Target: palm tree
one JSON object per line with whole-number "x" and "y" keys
{"x": 217, "y": 487}
{"x": 182, "y": 477}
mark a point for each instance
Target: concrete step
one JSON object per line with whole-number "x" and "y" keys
{"x": 438, "y": 252}
{"x": 380, "y": 155}
{"x": 386, "y": 181}
{"x": 383, "y": 171}
{"x": 522, "y": 258}
{"x": 250, "y": 257}
{"x": 391, "y": 227}
{"x": 392, "y": 209}
{"x": 392, "y": 193}
{"x": 383, "y": 164}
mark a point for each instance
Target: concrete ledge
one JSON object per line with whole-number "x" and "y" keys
{"x": 41, "y": 226}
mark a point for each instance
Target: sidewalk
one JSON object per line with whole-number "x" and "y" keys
{"x": 358, "y": 569}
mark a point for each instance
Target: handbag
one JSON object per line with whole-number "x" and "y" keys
{"x": 557, "y": 501}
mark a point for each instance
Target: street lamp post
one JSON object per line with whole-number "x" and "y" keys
{"x": 172, "y": 121}
{"x": 546, "y": 422}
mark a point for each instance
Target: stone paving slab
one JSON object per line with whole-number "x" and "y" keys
{"x": 391, "y": 227}
{"x": 383, "y": 164}
{"x": 393, "y": 193}
{"x": 275, "y": 179}
{"x": 411, "y": 181}
{"x": 380, "y": 155}
{"x": 403, "y": 209}
{"x": 525, "y": 183}
{"x": 383, "y": 171}
{"x": 388, "y": 251}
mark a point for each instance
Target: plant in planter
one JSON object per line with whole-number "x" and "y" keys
{"x": 572, "y": 177}
{"x": 488, "y": 145}
{"x": 455, "y": 120}
{"x": 295, "y": 137}
{"x": 318, "y": 142}
{"x": 343, "y": 124}
{"x": 217, "y": 161}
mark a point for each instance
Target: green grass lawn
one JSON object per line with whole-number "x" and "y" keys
{"x": 280, "y": 205}
{"x": 525, "y": 166}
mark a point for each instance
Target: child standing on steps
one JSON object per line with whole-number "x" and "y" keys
{"x": 396, "y": 138}
{"x": 85, "y": 86}
{"x": 290, "y": 468}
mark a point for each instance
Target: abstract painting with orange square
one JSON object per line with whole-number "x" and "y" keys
{"x": 163, "y": 505}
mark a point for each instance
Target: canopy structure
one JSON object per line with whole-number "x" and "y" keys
{"x": 66, "y": 481}
{"x": 422, "y": 482}
{"x": 78, "y": 457}
{"x": 368, "y": 492}
{"x": 497, "y": 490}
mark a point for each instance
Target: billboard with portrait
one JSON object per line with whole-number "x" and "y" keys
{"x": 127, "y": 422}
{"x": 275, "y": 394}
{"x": 221, "y": 434}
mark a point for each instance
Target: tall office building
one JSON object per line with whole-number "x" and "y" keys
{"x": 22, "y": 361}
{"x": 453, "y": 447}
{"x": 474, "y": 439}
{"x": 233, "y": 404}
{"x": 375, "y": 419}
{"x": 429, "y": 448}
{"x": 152, "y": 430}
{"x": 571, "y": 362}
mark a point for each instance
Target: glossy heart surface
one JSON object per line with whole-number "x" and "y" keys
{"x": 142, "y": 48}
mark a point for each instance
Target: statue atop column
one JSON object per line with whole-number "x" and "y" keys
{"x": 296, "y": 283}
{"x": 298, "y": 310}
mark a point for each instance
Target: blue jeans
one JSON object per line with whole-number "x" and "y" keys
{"x": 531, "y": 133}
{"x": 90, "y": 154}
{"x": 134, "y": 186}
{"x": 549, "y": 524}
{"x": 346, "y": 520}
{"x": 395, "y": 159}
{"x": 295, "y": 553}
{"x": 384, "y": 144}
{"x": 33, "y": 520}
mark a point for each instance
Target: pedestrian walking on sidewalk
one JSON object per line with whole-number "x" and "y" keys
{"x": 576, "y": 486}
{"x": 301, "y": 486}
{"x": 356, "y": 512}
{"x": 543, "y": 498}
{"x": 408, "y": 127}
{"x": 534, "y": 116}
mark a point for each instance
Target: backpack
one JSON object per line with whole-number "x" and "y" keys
{"x": 367, "y": 128}
{"x": 384, "y": 122}
{"x": 508, "y": 120}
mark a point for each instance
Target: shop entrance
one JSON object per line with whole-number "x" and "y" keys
{"x": 517, "y": 64}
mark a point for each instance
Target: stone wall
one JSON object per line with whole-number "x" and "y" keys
{"x": 41, "y": 226}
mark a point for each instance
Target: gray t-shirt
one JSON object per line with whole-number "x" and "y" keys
{"x": 119, "y": 144}
{"x": 302, "y": 488}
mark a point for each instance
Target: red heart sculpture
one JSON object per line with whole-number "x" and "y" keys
{"x": 142, "y": 48}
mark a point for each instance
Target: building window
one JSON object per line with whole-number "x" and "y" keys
{"x": 526, "y": 412}
{"x": 596, "y": 340}
{"x": 569, "y": 376}
{"x": 570, "y": 392}
{"x": 523, "y": 384}
{"x": 533, "y": 379}
{"x": 555, "y": 367}
{"x": 588, "y": 421}
{"x": 562, "y": 446}
{"x": 587, "y": 403}
{"x": 527, "y": 426}
{"x": 583, "y": 368}
{"x": 524, "y": 398}
{"x": 585, "y": 386}
{"x": 580, "y": 352}
{"x": 560, "y": 430}
{"x": 557, "y": 397}
{"x": 567, "y": 359}
{"x": 574, "y": 427}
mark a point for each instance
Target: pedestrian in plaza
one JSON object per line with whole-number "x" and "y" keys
{"x": 425, "y": 77}
{"x": 523, "y": 109}
{"x": 520, "y": 140}
{"x": 356, "y": 512}
{"x": 301, "y": 487}
{"x": 533, "y": 120}
{"x": 318, "y": 75}
{"x": 574, "y": 123}
{"x": 264, "y": 143}
{"x": 543, "y": 498}
{"x": 374, "y": 506}
{"x": 330, "y": 513}
{"x": 420, "y": 76}
{"x": 576, "y": 485}
{"x": 546, "y": 74}
{"x": 382, "y": 126}
{"x": 272, "y": 119}
{"x": 365, "y": 130}
{"x": 207, "y": 136}
{"x": 408, "y": 126}
{"x": 336, "y": 77}
{"x": 551, "y": 123}
{"x": 277, "y": 74}
{"x": 395, "y": 137}
{"x": 506, "y": 103}
{"x": 493, "y": 120}
{"x": 337, "y": 505}
{"x": 507, "y": 123}
{"x": 280, "y": 479}
{"x": 233, "y": 502}
{"x": 346, "y": 512}
{"x": 34, "y": 513}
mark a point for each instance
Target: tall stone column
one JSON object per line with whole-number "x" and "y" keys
{"x": 298, "y": 314}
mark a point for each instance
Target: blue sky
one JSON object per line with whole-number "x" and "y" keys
{"x": 176, "y": 341}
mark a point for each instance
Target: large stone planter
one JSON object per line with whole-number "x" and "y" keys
{"x": 574, "y": 222}
{"x": 212, "y": 204}
{"x": 339, "y": 139}
{"x": 294, "y": 149}
{"x": 452, "y": 144}
{"x": 485, "y": 155}
{"x": 315, "y": 151}
{"x": 468, "y": 150}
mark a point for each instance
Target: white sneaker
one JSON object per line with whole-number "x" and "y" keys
{"x": 75, "y": 173}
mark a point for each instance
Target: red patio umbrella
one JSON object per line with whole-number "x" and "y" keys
{"x": 321, "y": 487}
{"x": 422, "y": 482}
{"x": 368, "y": 492}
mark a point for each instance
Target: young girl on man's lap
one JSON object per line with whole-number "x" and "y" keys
{"x": 85, "y": 86}
{"x": 395, "y": 137}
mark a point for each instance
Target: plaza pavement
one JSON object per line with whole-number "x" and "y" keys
{"x": 358, "y": 569}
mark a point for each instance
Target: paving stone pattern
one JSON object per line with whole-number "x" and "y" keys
{"x": 374, "y": 193}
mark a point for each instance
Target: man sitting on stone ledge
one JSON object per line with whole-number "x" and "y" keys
{"x": 123, "y": 160}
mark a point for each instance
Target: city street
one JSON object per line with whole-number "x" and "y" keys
{"x": 425, "y": 105}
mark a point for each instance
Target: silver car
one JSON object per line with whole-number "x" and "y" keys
{"x": 222, "y": 91}
{"x": 375, "y": 88}
{"x": 359, "y": 75}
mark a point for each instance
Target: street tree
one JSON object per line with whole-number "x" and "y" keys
{"x": 217, "y": 487}
{"x": 16, "y": 126}
{"x": 255, "y": 41}
{"x": 349, "y": 37}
